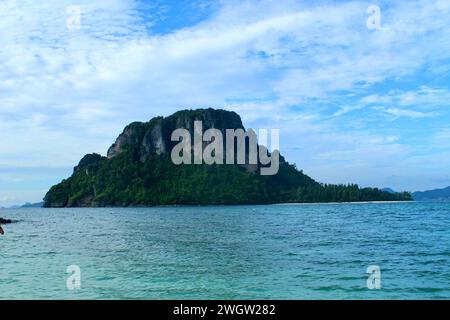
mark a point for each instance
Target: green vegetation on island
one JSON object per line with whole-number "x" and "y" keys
{"x": 139, "y": 172}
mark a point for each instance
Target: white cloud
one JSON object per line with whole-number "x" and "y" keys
{"x": 346, "y": 109}
{"x": 397, "y": 113}
{"x": 424, "y": 96}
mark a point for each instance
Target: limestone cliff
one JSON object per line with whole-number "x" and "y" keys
{"x": 153, "y": 137}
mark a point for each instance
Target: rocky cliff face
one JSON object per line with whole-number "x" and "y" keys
{"x": 153, "y": 137}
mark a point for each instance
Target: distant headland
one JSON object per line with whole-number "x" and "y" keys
{"x": 433, "y": 195}
{"x": 138, "y": 171}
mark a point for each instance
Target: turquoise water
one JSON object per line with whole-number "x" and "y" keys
{"x": 231, "y": 252}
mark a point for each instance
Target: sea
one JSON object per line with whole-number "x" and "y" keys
{"x": 291, "y": 251}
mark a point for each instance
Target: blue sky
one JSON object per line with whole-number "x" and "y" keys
{"x": 353, "y": 104}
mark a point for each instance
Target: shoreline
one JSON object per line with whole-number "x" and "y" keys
{"x": 225, "y": 205}
{"x": 351, "y": 202}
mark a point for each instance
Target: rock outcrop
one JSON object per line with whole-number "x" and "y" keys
{"x": 5, "y": 221}
{"x": 153, "y": 137}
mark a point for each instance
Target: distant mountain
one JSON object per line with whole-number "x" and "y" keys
{"x": 138, "y": 171}
{"x": 33, "y": 205}
{"x": 26, "y": 205}
{"x": 389, "y": 190}
{"x": 435, "y": 194}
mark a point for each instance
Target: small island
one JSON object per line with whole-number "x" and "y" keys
{"x": 138, "y": 171}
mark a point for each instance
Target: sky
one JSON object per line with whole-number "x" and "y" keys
{"x": 357, "y": 99}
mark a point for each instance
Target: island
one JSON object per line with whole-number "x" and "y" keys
{"x": 138, "y": 171}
